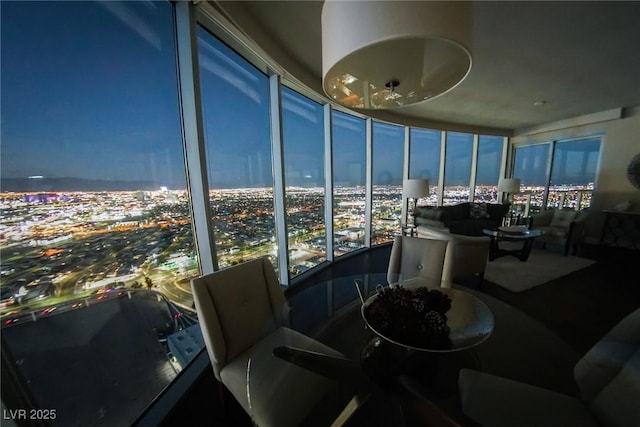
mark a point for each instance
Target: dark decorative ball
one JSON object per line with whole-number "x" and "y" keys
{"x": 414, "y": 317}
{"x": 633, "y": 171}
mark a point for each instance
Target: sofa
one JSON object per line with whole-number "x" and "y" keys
{"x": 563, "y": 227}
{"x": 467, "y": 219}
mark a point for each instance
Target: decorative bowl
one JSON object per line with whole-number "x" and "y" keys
{"x": 514, "y": 229}
{"x": 469, "y": 320}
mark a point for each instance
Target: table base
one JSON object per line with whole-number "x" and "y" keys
{"x": 495, "y": 251}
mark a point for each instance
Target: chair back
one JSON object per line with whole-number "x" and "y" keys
{"x": 236, "y": 307}
{"x": 465, "y": 255}
{"x": 417, "y": 257}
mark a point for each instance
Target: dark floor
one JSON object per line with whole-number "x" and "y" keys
{"x": 579, "y": 308}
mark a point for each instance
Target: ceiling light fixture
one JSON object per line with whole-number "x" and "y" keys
{"x": 388, "y": 54}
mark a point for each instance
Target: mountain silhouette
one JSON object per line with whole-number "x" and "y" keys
{"x": 73, "y": 184}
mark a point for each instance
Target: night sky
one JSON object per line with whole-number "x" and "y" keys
{"x": 89, "y": 90}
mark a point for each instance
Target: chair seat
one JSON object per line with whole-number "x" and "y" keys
{"x": 500, "y": 402}
{"x": 281, "y": 392}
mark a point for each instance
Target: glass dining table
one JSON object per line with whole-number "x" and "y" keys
{"x": 378, "y": 381}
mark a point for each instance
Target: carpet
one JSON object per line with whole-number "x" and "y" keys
{"x": 541, "y": 267}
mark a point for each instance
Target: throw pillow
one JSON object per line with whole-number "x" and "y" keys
{"x": 562, "y": 218}
{"x": 479, "y": 210}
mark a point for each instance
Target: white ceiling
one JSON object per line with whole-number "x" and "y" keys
{"x": 578, "y": 57}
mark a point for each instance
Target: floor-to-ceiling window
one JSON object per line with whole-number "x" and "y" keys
{"x": 349, "y": 159}
{"x": 557, "y": 174}
{"x": 457, "y": 167}
{"x": 424, "y": 160}
{"x": 235, "y": 106}
{"x": 303, "y": 142}
{"x": 388, "y": 158}
{"x": 94, "y": 200}
{"x": 531, "y": 167}
{"x": 488, "y": 168}
{"x": 573, "y": 173}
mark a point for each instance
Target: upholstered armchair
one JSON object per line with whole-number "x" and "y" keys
{"x": 561, "y": 226}
{"x": 415, "y": 257}
{"x": 465, "y": 256}
{"x": 608, "y": 377}
{"x": 243, "y": 316}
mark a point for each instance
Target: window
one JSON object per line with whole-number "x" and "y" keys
{"x": 488, "y": 169}
{"x": 349, "y": 158}
{"x": 388, "y": 157}
{"x": 235, "y": 104}
{"x": 424, "y": 160}
{"x": 303, "y": 141}
{"x": 530, "y": 165}
{"x": 457, "y": 169}
{"x": 95, "y": 205}
{"x": 569, "y": 182}
{"x": 573, "y": 173}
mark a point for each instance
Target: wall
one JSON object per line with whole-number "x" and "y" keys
{"x": 620, "y": 143}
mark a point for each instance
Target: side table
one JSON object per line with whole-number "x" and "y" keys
{"x": 497, "y": 236}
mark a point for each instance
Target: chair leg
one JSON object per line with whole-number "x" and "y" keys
{"x": 223, "y": 398}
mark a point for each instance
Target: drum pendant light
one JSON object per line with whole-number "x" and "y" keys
{"x": 388, "y": 54}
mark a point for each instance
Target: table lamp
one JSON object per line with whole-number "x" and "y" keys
{"x": 509, "y": 186}
{"x": 413, "y": 189}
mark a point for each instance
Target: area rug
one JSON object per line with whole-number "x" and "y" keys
{"x": 541, "y": 267}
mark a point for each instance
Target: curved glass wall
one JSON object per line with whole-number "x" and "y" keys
{"x": 95, "y": 231}
{"x": 531, "y": 165}
{"x": 303, "y": 142}
{"x": 457, "y": 168}
{"x": 235, "y": 109}
{"x": 388, "y": 160}
{"x": 94, "y": 191}
{"x": 488, "y": 170}
{"x": 424, "y": 161}
{"x": 349, "y": 160}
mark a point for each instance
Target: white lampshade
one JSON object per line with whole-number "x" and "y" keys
{"x": 415, "y": 188}
{"x": 387, "y": 54}
{"x": 509, "y": 185}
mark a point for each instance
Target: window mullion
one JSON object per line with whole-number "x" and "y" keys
{"x": 405, "y": 170}
{"x": 368, "y": 183}
{"x": 474, "y": 168}
{"x": 193, "y": 136}
{"x": 545, "y": 197}
{"x": 328, "y": 180}
{"x": 277, "y": 158}
{"x": 443, "y": 153}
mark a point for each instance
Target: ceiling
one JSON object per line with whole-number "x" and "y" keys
{"x": 576, "y": 57}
